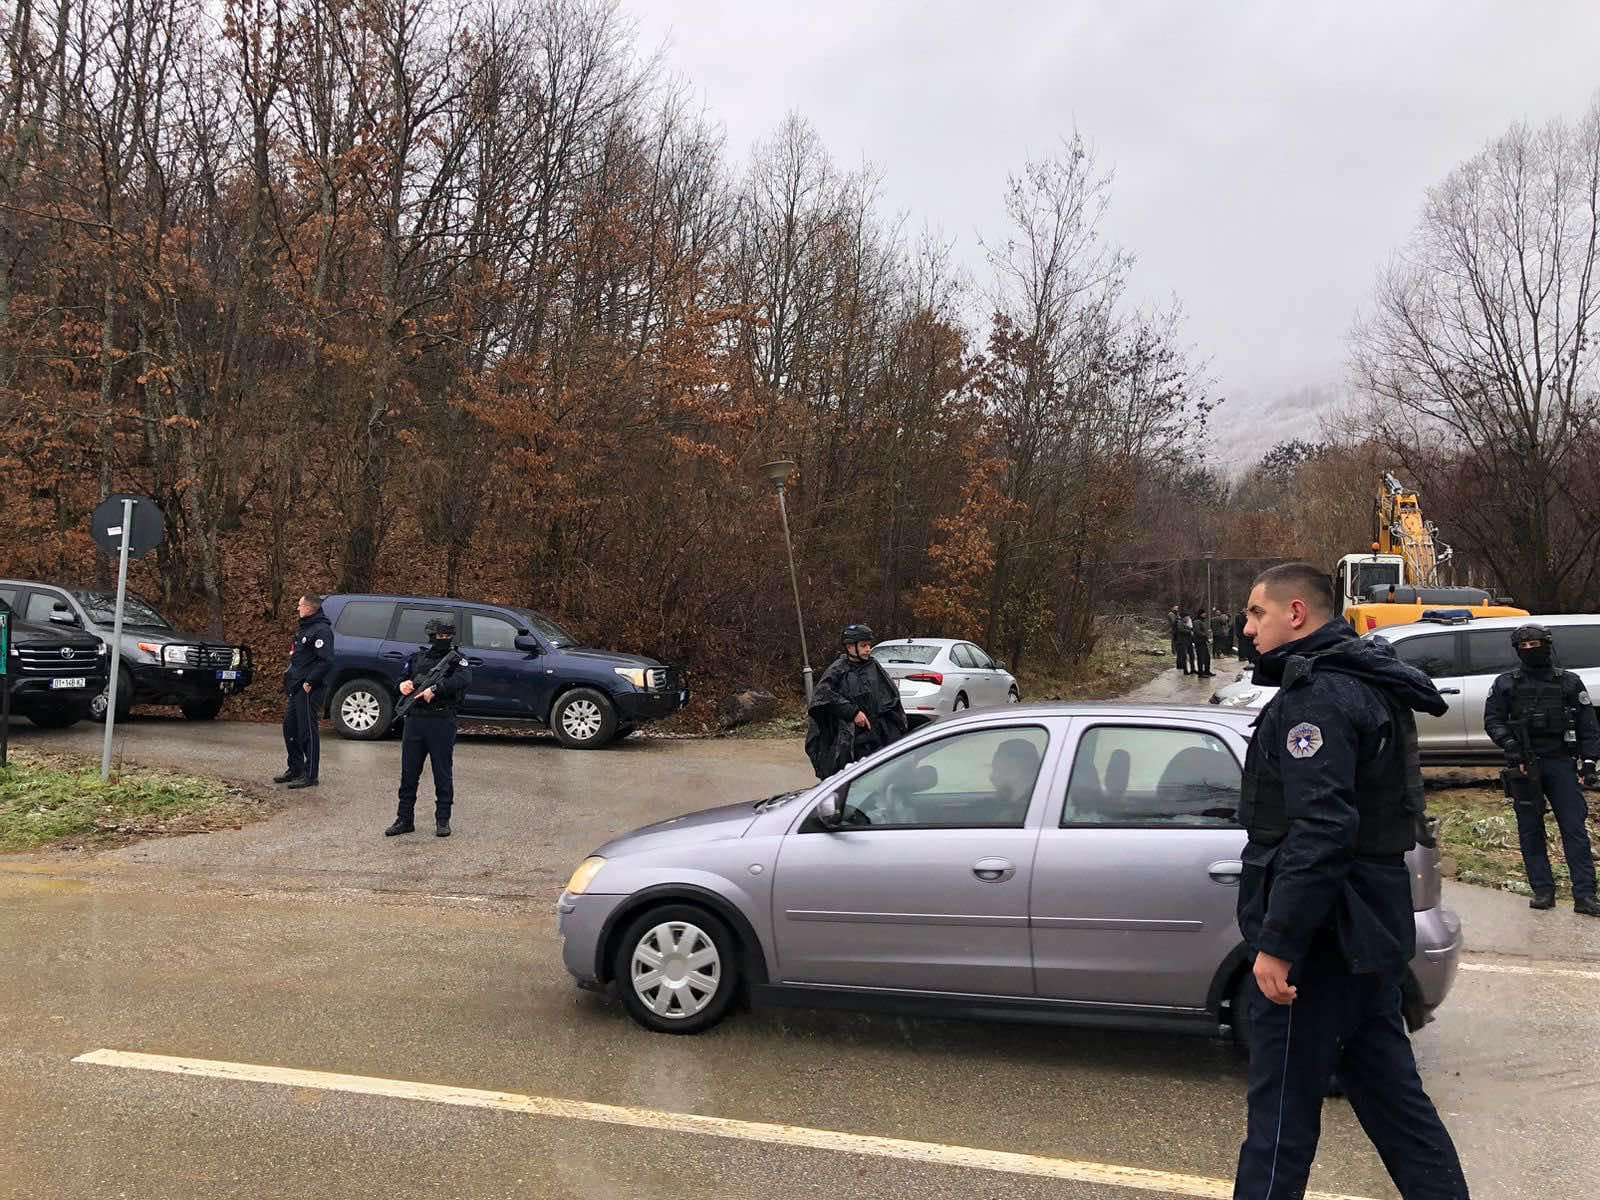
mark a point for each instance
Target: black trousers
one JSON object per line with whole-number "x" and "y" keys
{"x": 1180, "y": 651}
{"x": 1349, "y": 1024}
{"x": 428, "y": 739}
{"x": 302, "y": 736}
{"x": 1566, "y": 800}
{"x": 1202, "y": 655}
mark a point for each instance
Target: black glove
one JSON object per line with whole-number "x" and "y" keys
{"x": 1589, "y": 775}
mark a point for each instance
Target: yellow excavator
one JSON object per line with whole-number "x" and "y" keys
{"x": 1398, "y": 583}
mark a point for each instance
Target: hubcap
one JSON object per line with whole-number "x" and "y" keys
{"x": 359, "y": 712}
{"x": 97, "y": 707}
{"x": 676, "y": 970}
{"x": 581, "y": 720}
{"x": 960, "y": 703}
{"x": 1013, "y": 698}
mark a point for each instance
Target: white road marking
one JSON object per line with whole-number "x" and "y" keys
{"x": 932, "y": 1154}
{"x": 1517, "y": 969}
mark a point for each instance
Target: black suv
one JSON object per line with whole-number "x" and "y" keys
{"x": 525, "y": 667}
{"x": 160, "y": 664}
{"x": 55, "y": 673}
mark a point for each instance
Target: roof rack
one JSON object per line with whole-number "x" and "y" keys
{"x": 1447, "y": 616}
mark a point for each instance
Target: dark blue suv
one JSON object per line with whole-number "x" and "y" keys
{"x": 525, "y": 667}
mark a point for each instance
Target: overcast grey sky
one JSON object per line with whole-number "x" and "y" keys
{"x": 1269, "y": 157}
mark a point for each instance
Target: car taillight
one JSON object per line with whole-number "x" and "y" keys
{"x": 932, "y": 677}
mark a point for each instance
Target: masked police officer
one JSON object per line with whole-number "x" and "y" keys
{"x": 1542, "y": 718}
{"x": 430, "y": 733}
{"x": 855, "y": 708}
{"x": 310, "y": 660}
{"x": 1332, "y": 800}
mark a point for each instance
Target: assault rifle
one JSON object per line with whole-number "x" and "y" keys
{"x": 1524, "y": 785}
{"x": 431, "y": 678}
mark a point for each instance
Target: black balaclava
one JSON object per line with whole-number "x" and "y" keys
{"x": 1540, "y": 658}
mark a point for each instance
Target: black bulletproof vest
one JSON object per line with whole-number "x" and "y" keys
{"x": 1388, "y": 788}
{"x": 1541, "y": 700}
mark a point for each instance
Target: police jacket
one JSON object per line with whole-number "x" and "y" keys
{"x": 833, "y": 740}
{"x": 448, "y": 693}
{"x": 1543, "y": 704}
{"x": 1333, "y": 800}
{"x": 310, "y": 655}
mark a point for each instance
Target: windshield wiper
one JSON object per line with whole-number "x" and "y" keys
{"x": 772, "y": 802}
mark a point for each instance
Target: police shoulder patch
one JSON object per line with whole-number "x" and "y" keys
{"x": 1305, "y": 739}
{"x": 1583, "y": 698}
{"x": 319, "y": 643}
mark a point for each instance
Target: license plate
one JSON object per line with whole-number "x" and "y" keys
{"x": 76, "y": 681}
{"x": 227, "y": 674}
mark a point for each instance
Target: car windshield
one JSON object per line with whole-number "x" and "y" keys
{"x": 102, "y": 610}
{"x": 558, "y": 637}
{"x": 904, "y": 653}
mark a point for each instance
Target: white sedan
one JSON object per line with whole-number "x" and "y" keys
{"x": 937, "y": 676}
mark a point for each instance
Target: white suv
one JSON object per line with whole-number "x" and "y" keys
{"x": 1463, "y": 660}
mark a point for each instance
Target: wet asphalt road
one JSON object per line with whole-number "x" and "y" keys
{"x": 310, "y": 941}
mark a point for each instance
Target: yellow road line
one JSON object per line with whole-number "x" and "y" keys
{"x": 932, "y": 1154}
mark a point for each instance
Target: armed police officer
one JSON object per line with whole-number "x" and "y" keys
{"x": 310, "y": 660}
{"x": 430, "y": 733}
{"x": 1332, "y": 800}
{"x": 855, "y": 708}
{"x": 1542, "y": 718}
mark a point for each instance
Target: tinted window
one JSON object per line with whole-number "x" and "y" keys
{"x": 365, "y": 619}
{"x": 8, "y": 597}
{"x": 905, "y": 654}
{"x": 1577, "y": 646}
{"x": 1489, "y": 652}
{"x": 971, "y": 780}
{"x": 40, "y": 606}
{"x": 1434, "y": 654}
{"x": 1144, "y": 775}
{"x": 413, "y": 626}
{"x": 486, "y": 632}
{"x": 962, "y": 657}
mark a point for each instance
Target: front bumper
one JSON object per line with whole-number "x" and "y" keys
{"x": 581, "y": 922}
{"x": 1439, "y": 945}
{"x": 30, "y": 691}
{"x": 639, "y": 706}
{"x": 153, "y": 684}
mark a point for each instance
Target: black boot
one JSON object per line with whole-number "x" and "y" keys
{"x": 401, "y": 825}
{"x": 302, "y": 783}
{"x": 286, "y": 777}
{"x": 1543, "y": 900}
{"x": 1586, "y": 906}
{"x": 441, "y": 829}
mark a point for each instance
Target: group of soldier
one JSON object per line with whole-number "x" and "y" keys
{"x": 1196, "y": 638}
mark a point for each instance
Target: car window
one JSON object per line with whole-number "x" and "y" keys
{"x": 980, "y": 659}
{"x": 1490, "y": 652}
{"x": 1577, "y": 646}
{"x": 39, "y": 607}
{"x": 962, "y": 656}
{"x": 413, "y": 626}
{"x": 8, "y": 598}
{"x": 365, "y": 619}
{"x": 1149, "y": 775}
{"x": 1434, "y": 654}
{"x": 902, "y": 653}
{"x": 980, "y": 779}
{"x": 558, "y": 637}
{"x": 486, "y": 632}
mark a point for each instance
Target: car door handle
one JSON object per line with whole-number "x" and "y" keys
{"x": 1449, "y": 691}
{"x": 474, "y": 662}
{"x": 993, "y": 870}
{"x": 392, "y": 654}
{"x": 1226, "y": 872}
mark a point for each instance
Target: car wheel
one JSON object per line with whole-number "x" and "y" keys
{"x": 97, "y": 706}
{"x": 960, "y": 704}
{"x": 203, "y": 710}
{"x": 583, "y": 719}
{"x": 55, "y": 718}
{"x": 677, "y": 969}
{"x": 363, "y": 710}
{"x": 1013, "y": 696}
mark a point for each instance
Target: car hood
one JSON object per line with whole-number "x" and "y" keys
{"x": 708, "y": 825}
{"x": 30, "y": 633}
{"x": 609, "y": 658}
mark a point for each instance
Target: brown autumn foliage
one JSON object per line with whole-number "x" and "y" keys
{"x": 402, "y": 295}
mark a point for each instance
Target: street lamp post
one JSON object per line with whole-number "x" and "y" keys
{"x": 777, "y": 474}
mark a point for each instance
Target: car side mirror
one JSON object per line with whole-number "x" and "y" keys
{"x": 527, "y": 644}
{"x": 999, "y": 664}
{"x": 830, "y": 813}
{"x": 62, "y": 615}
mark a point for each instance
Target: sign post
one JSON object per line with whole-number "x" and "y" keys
{"x": 5, "y": 686}
{"x": 123, "y": 525}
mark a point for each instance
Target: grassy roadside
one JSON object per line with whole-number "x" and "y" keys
{"x": 50, "y": 801}
{"x": 1478, "y": 834}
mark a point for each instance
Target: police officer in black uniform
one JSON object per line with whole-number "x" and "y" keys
{"x": 430, "y": 733}
{"x": 1333, "y": 801}
{"x": 855, "y": 708}
{"x": 310, "y": 660}
{"x": 1542, "y": 718}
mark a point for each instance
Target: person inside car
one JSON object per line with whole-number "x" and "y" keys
{"x": 1014, "y": 768}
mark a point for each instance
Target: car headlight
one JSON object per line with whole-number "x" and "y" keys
{"x": 638, "y": 676}
{"x": 104, "y": 650}
{"x": 584, "y": 875}
{"x": 1242, "y": 699}
{"x": 175, "y": 656}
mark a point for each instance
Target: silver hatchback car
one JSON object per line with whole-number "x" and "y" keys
{"x": 1076, "y": 863}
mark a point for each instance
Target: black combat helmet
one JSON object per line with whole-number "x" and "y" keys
{"x": 441, "y": 629}
{"x": 1530, "y": 632}
{"x": 854, "y": 634}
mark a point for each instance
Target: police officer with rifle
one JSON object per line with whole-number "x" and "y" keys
{"x": 436, "y": 677}
{"x": 1543, "y": 720}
